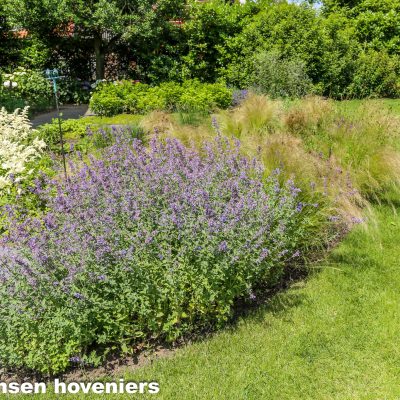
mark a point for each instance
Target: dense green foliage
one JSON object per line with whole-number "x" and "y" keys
{"x": 330, "y": 51}
{"x": 280, "y": 77}
{"x": 331, "y": 46}
{"x": 114, "y": 98}
{"x": 376, "y": 75}
{"x": 101, "y": 24}
{"x": 205, "y": 33}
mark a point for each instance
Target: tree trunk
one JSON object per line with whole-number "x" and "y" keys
{"x": 100, "y": 58}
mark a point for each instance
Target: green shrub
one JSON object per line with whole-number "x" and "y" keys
{"x": 198, "y": 96}
{"x": 132, "y": 95}
{"x": 280, "y": 77}
{"x": 172, "y": 92}
{"x": 376, "y": 75}
{"x": 220, "y": 96}
{"x": 152, "y": 99}
{"x": 106, "y": 104}
{"x": 72, "y": 129}
{"x": 114, "y": 98}
{"x": 32, "y": 87}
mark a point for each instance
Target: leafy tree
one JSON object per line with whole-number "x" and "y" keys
{"x": 208, "y": 27}
{"x": 158, "y": 50}
{"x": 330, "y": 5}
{"x": 293, "y": 31}
{"x": 341, "y": 50}
{"x": 8, "y": 43}
{"x": 101, "y": 22}
{"x": 377, "y": 75}
{"x": 377, "y": 23}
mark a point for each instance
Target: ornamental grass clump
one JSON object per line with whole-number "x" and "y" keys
{"x": 144, "y": 244}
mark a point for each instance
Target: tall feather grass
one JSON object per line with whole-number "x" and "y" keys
{"x": 342, "y": 161}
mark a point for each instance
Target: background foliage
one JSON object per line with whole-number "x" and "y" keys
{"x": 126, "y": 96}
{"x": 174, "y": 40}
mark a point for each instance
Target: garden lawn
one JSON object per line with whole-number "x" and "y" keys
{"x": 121, "y": 119}
{"x": 351, "y": 106}
{"x": 334, "y": 336}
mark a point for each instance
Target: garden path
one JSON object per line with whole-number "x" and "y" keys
{"x": 68, "y": 111}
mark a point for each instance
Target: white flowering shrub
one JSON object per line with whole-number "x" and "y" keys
{"x": 19, "y": 146}
{"x": 31, "y": 85}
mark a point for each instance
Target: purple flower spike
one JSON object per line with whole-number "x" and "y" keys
{"x": 223, "y": 246}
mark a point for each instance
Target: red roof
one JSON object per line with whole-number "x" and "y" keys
{"x": 66, "y": 30}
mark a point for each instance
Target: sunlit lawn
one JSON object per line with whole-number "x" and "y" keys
{"x": 392, "y": 105}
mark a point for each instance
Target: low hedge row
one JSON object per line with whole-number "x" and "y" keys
{"x": 115, "y": 98}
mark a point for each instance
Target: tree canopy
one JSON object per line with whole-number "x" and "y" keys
{"x": 102, "y": 22}
{"x": 332, "y": 47}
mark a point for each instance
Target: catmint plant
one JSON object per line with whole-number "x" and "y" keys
{"x": 143, "y": 243}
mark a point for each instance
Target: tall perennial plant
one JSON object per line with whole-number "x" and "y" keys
{"x": 19, "y": 146}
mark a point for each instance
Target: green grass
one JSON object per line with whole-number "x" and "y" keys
{"x": 352, "y": 106}
{"x": 122, "y": 119}
{"x": 334, "y": 336}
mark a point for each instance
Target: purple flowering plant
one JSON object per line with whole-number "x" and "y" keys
{"x": 239, "y": 96}
{"x": 142, "y": 243}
